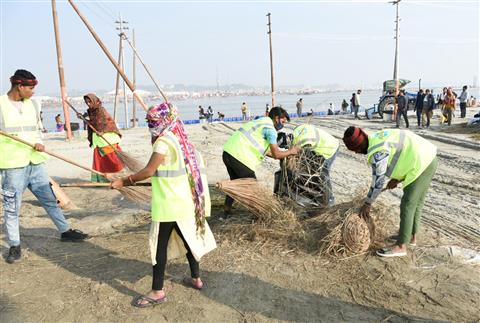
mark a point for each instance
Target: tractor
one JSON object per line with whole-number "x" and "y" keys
{"x": 386, "y": 103}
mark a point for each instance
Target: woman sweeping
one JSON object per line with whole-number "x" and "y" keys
{"x": 180, "y": 201}
{"x": 104, "y": 158}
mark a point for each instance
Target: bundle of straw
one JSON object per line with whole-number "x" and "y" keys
{"x": 356, "y": 234}
{"x": 273, "y": 220}
{"x": 339, "y": 231}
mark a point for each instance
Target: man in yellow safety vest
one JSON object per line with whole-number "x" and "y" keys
{"x": 246, "y": 148}
{"x": 404, "y": 157}
{"x": 322, "y": 144}
{"x": 21, "y": 166}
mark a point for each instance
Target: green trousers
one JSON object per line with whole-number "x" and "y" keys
{"x": 412, "y": 203}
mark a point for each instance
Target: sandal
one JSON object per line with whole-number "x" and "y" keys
{"x": 187, "y": 281}
{"x": 388, "y": 252}
{"x": 137, "y": 302}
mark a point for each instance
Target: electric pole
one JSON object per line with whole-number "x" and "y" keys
{"x": 395, "y": 66}
{"x": 272, "y": 84}
{"x": 121, "y": 60}
{"x": 63, "y": 91}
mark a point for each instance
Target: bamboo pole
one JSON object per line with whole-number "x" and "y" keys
{"x": 117, "y": 81}
{"x": 63, "y": 91}
{"x": 52, "y": 154}
{"x": 110, "y": 57}
{"x": 134, "y": 78}
{"x": 99, "y": 184}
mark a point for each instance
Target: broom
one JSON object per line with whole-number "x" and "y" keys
{"x": 130, "y": 162}
{"x": 135, "y": 194}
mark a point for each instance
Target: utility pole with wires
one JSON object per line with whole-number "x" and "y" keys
{"x": 121, "y": 60}
{"x": 271, "y": 59}
{"x": 63, "y": 91}
{"x": 134, "y": 81}
{"x": 395, "y": 66}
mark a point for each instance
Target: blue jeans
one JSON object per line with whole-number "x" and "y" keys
{"x": 325, "y": 173}
{"x": 14, "y": 183}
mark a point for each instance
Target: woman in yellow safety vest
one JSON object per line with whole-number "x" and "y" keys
{"x": 104, "y": 158}
{"x": 405, "y": 158}
{"x": 246, "y": 148}
{"x": 180, "y": 201}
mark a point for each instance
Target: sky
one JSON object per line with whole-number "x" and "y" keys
{"x": 349, "y": 43}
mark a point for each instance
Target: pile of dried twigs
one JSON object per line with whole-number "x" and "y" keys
{"x": 337, "y": 231}
{"x": 302, "y": 179}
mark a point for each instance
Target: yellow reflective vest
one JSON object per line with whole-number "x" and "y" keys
{"x": 322, "y": 143}
{"x": 247, "y": 144}
{"x": 23, "y": 125}
{"x": 172, "y": 197}
{"x": 409, "y": 154}
{"x": 111, "y": 137}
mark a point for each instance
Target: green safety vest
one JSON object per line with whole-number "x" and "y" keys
{"x": 409, "y": 154}
{"x": 322, "y": 143}
{"x": 247, "y": 144}
{"x": 111, "y": 137}
{"x": 14, "y": 154}
{"x": 171, "y": 192}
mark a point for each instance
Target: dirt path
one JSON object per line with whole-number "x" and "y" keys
{"x": 247, "y": 281}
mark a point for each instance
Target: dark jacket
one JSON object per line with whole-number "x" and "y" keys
{"x": 402, "y": 102}
{"x": 430, "y": 103}
{"x": 419, "y": 101}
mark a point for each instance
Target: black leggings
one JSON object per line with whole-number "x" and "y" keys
{"x": 164, "y": 233}
{"x": 236, "y": 170}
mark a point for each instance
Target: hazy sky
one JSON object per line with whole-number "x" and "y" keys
{"x": 314, "y": 42}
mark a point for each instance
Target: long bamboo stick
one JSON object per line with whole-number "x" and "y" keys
{"x": 99, "y": 184}
{"x": 52, "y": 154}
{"x": 110, "y": 57}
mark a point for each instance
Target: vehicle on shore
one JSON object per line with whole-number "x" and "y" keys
{"x": 386, "y": 103}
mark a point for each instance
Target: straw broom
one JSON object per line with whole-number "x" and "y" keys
{"x": 274, "y": 221}
{"x": 130, "y": 162}
{"x": 135, "y": 194}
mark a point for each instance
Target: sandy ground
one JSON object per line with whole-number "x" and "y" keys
{"x": 246, "y": 281}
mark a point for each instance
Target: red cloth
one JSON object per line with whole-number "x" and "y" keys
{"x": 106, "y": 163}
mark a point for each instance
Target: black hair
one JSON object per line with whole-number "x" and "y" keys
{"x": 23, "y": 77}
{"x": 278, "y": 112}
{"x": 349, "y": 132}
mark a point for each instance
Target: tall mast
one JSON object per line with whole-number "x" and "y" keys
{"x": 395, "y": 64}
{"x": 272, "y": 83}
{"x": 63, "y": 91}
{"x": 134, "y": 81}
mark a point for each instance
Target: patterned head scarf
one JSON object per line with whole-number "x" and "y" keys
{"x": 162, "y": 118}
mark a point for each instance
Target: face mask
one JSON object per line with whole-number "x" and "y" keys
{"x": 279, "y": 126}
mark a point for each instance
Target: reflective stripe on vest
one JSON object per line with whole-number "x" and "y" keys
{"x": 18, "y": 129}
{"x": 23, "y": 125}
{"x": 180, "y": 169}
{"x": 398, "y": 146}
{"x": 248, "y": 145}
{"x": 310, "y": 141}
{"x": 409, "y": 154}
{"x": 322, "y": 143}
{"x": 248, "y": 134}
